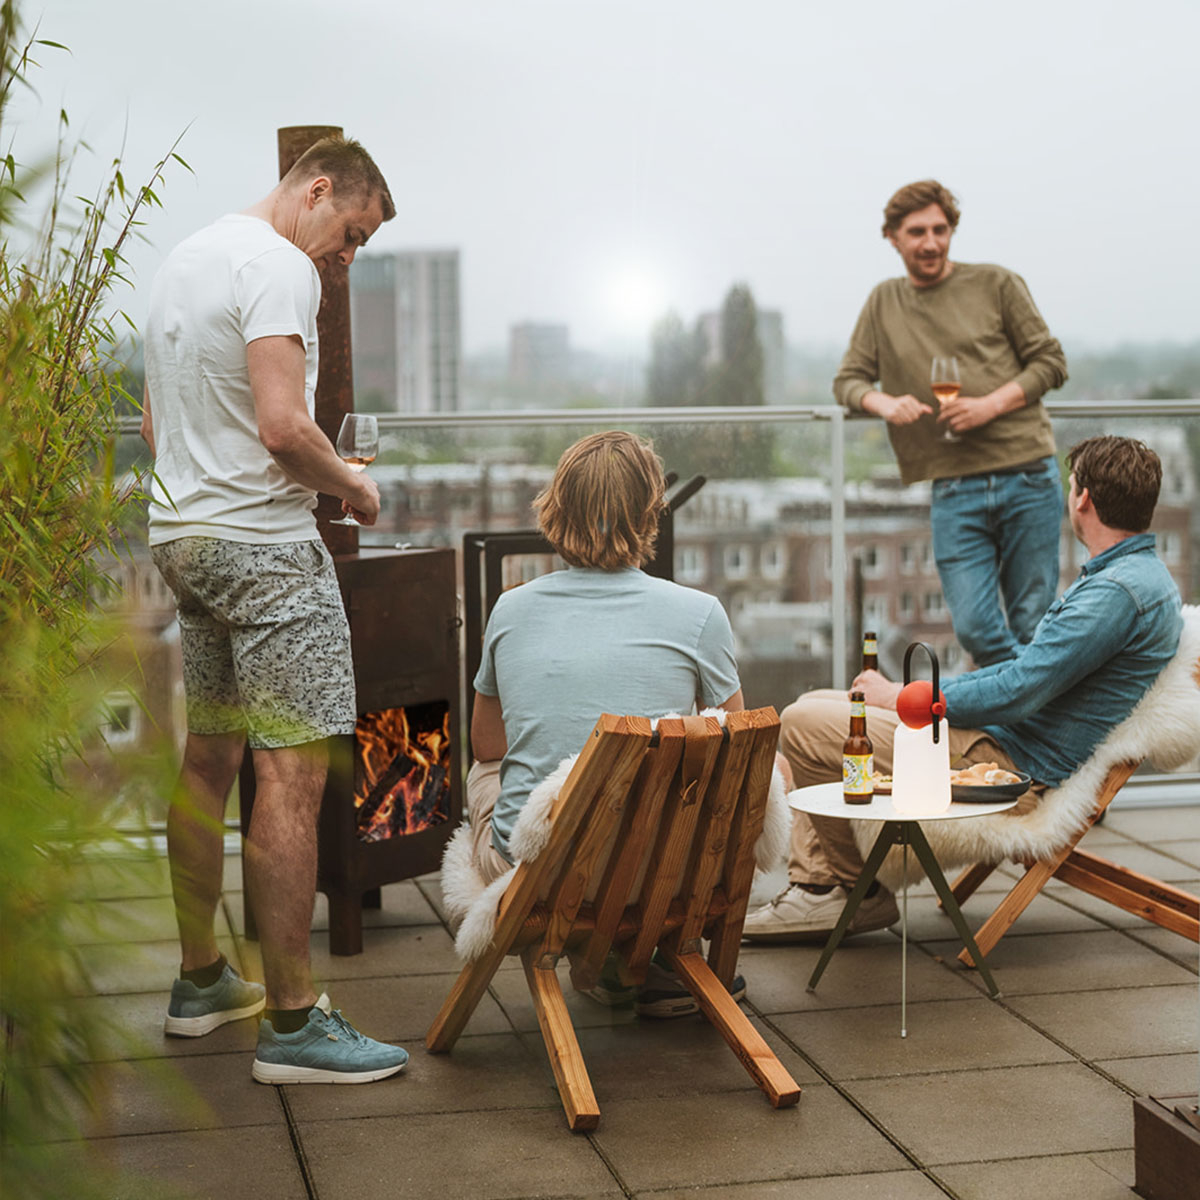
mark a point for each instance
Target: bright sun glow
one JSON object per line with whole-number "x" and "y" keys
{"x": 635, "y": 296}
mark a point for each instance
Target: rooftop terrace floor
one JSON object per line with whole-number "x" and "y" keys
{"x": 1029, "y": 1095}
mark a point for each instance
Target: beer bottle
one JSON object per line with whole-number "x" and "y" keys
{"x": 870, "y": 651}
{"x": 858, "y": 756}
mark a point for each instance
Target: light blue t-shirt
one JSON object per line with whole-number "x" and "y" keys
{"x": 568, "y": 646}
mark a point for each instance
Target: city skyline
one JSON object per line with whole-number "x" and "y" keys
{"x": 599, "y": 163}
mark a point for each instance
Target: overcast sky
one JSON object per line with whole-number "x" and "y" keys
{"x": 598, "y": 161}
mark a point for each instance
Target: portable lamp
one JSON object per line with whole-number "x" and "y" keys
{"x": 921, "y": 750}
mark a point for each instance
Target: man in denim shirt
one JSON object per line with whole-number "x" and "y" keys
{"x": 1094, "y": 654}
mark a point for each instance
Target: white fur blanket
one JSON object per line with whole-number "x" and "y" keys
{"x": 1164, "y": 727}
{"x": 473, "y": 903}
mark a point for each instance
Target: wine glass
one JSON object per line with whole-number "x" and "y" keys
{"x": 357, "y": 446}
{"x": 945, "y": 384}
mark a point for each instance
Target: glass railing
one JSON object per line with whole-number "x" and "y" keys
{"x": 802, "y": 528}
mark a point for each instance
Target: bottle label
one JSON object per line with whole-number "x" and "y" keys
{"x": 870, "y": 646}
{"x": 857, "y": 770}
{"x": 858, "y": 708}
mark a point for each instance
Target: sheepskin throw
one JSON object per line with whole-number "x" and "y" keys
{"x": 473, "y": 903}
{"x": 1164, "y": 728}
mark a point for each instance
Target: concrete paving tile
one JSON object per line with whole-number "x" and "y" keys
{"x": 1153, "y": 825}
{"x": 1157, "y": 864}
{"x": 247, "y": 1163}
{"x": 403, "y": 1008}
{"x": 1181, "y": 949}
{"x": 134, "y": 1027}
{"x": 136, "y": 919}
{"x": 956, "y": 1035}
{"x": 161, "y": 1095}
{"x": 517, "y": 1153}
{"x": 1188, "y": 851}
{"x": 1075, "y": 962}
{"x": 672, "y": 1058}
{"x": 883, "y": 1185}
{"x": 1156, "y": 1074}
{"x": 1102, "y": 835}
{"x": 736, "y": 1137}
{"x": 858, "y": 974}
{"x": 118, "y": 876}
{"x": 1118, "y": 1024}
{"x": 928, "y": 923}
{"x": 512, "y": 992}
{"x": 1107, "y": 1176}
{"x": 967, "y": 1116}
{"x": 430, "y": 886}
{"x": 488, "y": 1072}
{"x": 388, "y": 951}
{"x": 138, "y": 967}
{"x": 403, "y": 904}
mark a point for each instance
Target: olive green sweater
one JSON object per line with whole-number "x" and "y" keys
{"x": 985, "y": 316}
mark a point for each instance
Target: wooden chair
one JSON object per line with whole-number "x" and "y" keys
{"x": 1158, "y": 902}
{"x": 651, "y": 844}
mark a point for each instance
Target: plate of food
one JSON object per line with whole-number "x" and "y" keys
{"x": 985, "y": 783}
{"x": 882, "y": 783}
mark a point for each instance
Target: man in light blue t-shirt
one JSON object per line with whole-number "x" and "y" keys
{"x": 601, "y": 636}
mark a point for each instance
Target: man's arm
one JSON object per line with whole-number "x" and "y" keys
{"x": 488, "y": 739}
{"x": 854, "y": 384}
{"x": 1074, "y": 639}
{"x": 1043, "y": 364}
{"x": 147, "y": 430}
{"x": 291, "y": 436}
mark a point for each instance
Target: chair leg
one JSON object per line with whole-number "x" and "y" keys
{"x": 566, "y": 1059}
{"x": 1023, "y": 893}
{"x": 464, "y": 998}
{"x": 968, "y": 883}
{"x": 757, "y": 1057}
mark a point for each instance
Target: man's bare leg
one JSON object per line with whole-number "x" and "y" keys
{"x": 281, "y": 866}
{"x": 196, "y": 840}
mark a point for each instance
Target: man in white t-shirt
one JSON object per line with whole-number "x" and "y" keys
{"x": 231, "y": 372}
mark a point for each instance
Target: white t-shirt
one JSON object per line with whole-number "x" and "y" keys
{"x": 233, "y": 282}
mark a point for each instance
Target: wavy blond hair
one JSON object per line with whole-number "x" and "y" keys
{"x": 602, "y": 507}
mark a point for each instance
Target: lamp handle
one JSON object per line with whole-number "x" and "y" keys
{"x": 936, "y": 705}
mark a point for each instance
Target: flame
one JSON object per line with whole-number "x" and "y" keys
{"x": 402, "y": 772}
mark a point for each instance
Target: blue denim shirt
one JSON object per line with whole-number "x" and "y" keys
{"x": 1101, "y": 644}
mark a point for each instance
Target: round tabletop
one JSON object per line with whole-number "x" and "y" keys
{"x": 825, "y": 800}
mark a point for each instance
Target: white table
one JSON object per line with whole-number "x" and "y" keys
{"x": 903, "y": 829}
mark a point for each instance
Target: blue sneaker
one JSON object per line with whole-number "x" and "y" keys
{"x": 327, "y": 1050}
{"x": 195, "y": 1011}
{"x": 664, "y": 995}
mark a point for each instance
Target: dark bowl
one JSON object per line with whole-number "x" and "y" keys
{"x": 990, "y": 793}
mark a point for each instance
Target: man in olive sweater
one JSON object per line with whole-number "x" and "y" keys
{"x": 997, "y": 499}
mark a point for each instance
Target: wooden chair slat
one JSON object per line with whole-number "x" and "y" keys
{"x": 630, "y": 859}
{"x": 702, "y": 745}
{"x": 725, "y": 929}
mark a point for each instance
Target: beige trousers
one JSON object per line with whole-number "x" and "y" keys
{"x": 823, "y": 850}
{"x": 483, "y": 790}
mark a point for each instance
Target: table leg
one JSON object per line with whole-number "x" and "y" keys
{"x": 933, "y": 870}
{"x": 883, "y": 843}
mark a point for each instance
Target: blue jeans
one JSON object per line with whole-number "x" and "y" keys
{"x": 997, "y": 536}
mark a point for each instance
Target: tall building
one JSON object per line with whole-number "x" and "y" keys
{"x": 770, "y": 337}
{"x": 539, "y": 352}
{"x": 404, "y": 313}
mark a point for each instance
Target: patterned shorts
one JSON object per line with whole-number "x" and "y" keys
{"x": 266, "y": 645}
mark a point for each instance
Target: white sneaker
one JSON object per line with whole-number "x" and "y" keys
{"x": 797, "y": 915}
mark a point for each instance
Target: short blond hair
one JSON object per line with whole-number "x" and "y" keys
{"x": 602, "y": 507}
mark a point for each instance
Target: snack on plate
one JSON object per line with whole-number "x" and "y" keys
{"x": 983, "y": 774}
{"x": 882, "y": 783}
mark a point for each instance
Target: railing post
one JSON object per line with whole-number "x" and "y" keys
{"x": 837, "y": 544}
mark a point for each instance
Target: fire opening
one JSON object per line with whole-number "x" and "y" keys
{"x": 402, "y": 770}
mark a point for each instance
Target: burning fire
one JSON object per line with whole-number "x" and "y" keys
{"x": 402, "y": 770}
